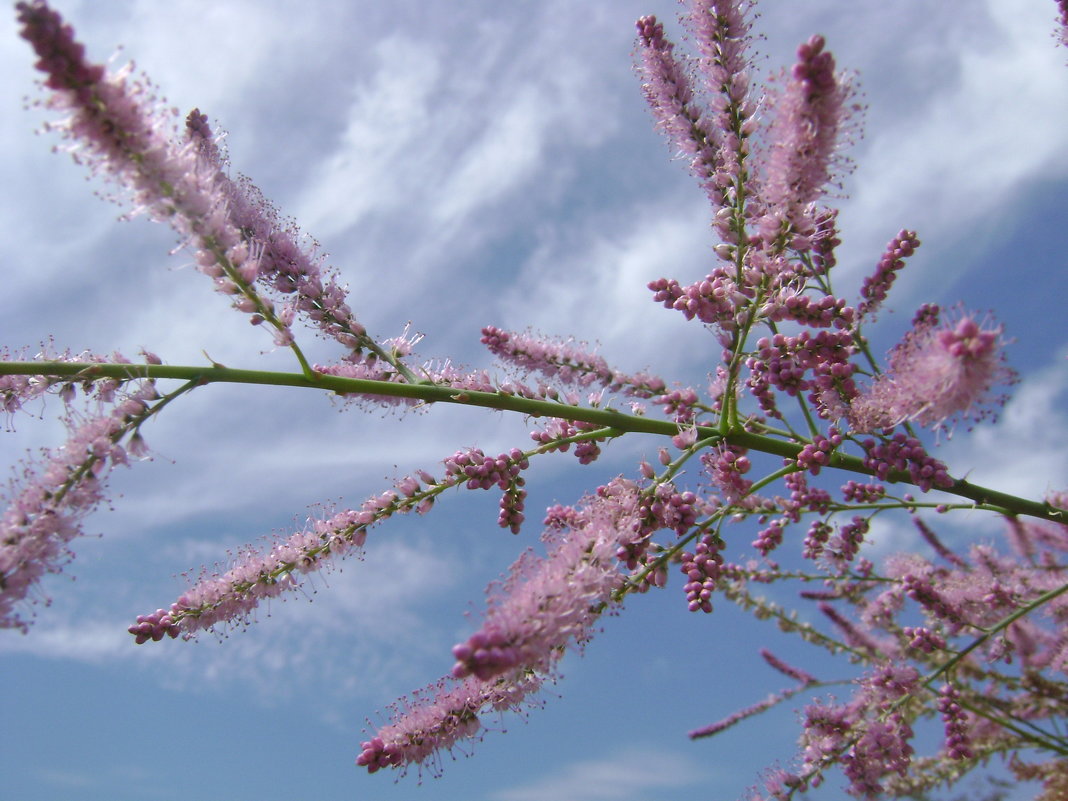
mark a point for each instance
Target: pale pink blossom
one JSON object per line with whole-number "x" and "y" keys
{"x": 936, "y": 373}
{"x": 46, "y": 508}
{"x": 545, "y": 606}
{"x": 440, "y": 716}
{"x": 809, "y": 116}
{"x": 549, "y": 603}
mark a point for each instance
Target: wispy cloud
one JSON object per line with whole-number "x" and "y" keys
{"x": 359, "y": 629}
{"x": 589, "y": 279}
{"x": 628, "y": 775}
{"x": 977, "y": 127}
{"x": 1026, "y": 451}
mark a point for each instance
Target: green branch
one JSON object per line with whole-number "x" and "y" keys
{"x": 987, "y": 499}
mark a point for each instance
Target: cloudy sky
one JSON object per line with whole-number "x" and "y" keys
{"x": 468, "y": 164}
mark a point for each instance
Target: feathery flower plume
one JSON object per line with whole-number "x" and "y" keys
{"x": 935, "y": 373}
{"x": 45, "y": 509}
{"x": 229, "y": 597}
{"x": 284, "y": 263}
{"x": 546, "y": 604}
{"x": 438, "y": 717}
{"x": 721, "y": 36}
{"x": 566, "y": 361}
{"x": 667, "y": 88}
{"x": 119, "y": 128}
{"x": 809, "y": 115}
{"x": 703, "y": 105}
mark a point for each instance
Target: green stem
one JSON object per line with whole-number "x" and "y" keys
{"x": 1003, "y": 624}
{"x": 984, "y": 498}
{"x": 263, "y": 307}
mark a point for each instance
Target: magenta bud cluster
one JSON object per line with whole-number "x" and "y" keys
{"x": 902, "y": 453}
{"x": 485, "y": 654}
{"x": 679, "y": 403}
{"x": 957, "y": 743}
{"x": 154, "y": 627}
{"x": 817, "y": 312}
{"x": 856, "y": 492}
{"x": 702, "y": 568}
{"x": 817, "y": 454}
{"x": 726, "y": 466}
{"x": 877, "y": 285}
{"x": 484, "y": 472}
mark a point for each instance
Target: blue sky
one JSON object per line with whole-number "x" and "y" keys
{"x": 468, "y": 164}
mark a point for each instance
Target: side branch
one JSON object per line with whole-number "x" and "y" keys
{"x": 987, "y": 499}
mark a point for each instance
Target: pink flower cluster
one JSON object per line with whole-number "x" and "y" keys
{"x": 544, "y": 606}
{"x": 228, "y": 597}
{"x": 936, "y": 373}
{"x": 440, "y": 717}
{"x": 566, "y": 361}
{"x": 809, "y": 116}
{"x": 788, "y": 386}
{"x": 969, "y": 599}
{"x": 118, "y": 127}
{"x": 46, "y": 506}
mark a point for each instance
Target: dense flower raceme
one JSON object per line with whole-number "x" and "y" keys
{"x": 120, "y": 129}
{"x": 809, "y": 115}
{"x": 227, "y": 597}
{"x": 963, "y": 602}
{"x": 936, "y": 373}
{"x": 279, "y": 259}
{"x": 48, "y": 501}
{"x": 971, "y": 637}
{"x": 545, "y": 605}
{"x": 439, "y": 717}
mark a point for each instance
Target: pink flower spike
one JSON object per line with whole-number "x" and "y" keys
{"x": 810, "y": 114}
{"x": 547, "y": 604}
{"x": 439, "y": 717}
{"x": 668, "y": 90}
{"x": 936, "y": 374}
{"x": 876, "y": 286}
{"x": 566, "y": 361}
{"x": 45, "y": 513}
{"x": 118, "y": 127}
{"x": 229, "y": 597}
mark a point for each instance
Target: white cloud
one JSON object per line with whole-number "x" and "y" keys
{"x": 505, "y": 155}
{"x": 626, "y": 776}
{"x": 1026, "y": 451}
{"x": 361, "y": 628}
{"x": 984, "y": 123}
{"x": 382, "y": 149}
{"x": 590, "y": 280}
{"x": 92, "y": 643}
